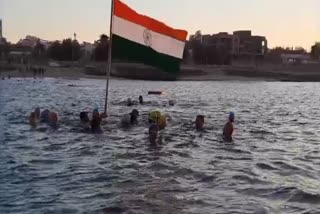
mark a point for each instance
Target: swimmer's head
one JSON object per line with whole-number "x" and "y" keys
{"x": 84, "y": 117}
{"x": 153, "y": 133}
{"x": 135, "y": 112}
{"x": 199, "y": 122}
{"x": 140, "y": 99}
{"x": 231, "y": 116}
{"x": 95, "y": 111}
{"x": 134, "y": 116}
{"x": 45, "y": 115}
{"x": 171, "y": 103}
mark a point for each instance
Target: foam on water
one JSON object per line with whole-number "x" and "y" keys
{"x": 272, "y": 167}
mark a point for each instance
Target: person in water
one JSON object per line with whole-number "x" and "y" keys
{"x": 96, "y": 122}
{"x": 37, "y": 113}
{"x": 84, "y": 120}
{"x": 44, "y": 116}
{"x": 130, "y": 119}
{"x": 228, "y": 128}
{"x": 134, "y": 117}
{"x": 33, "y": 120}
{"x": 141, "y": 99}
{"x": 153, "y": 133}
{"x": 158, "y": 118}
{"x": 199, "y": 123}
{"x": 34, "y": 117}
{"x": 53, "y": 119}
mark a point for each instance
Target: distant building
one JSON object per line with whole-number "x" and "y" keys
{"x": 245, "y": 44}
{"x": 315, "y": 51}
{"x": 31, "y": 42}
{"x": 239, "y": 44}
{"x": 221, "y": 41}
{"x": 196, "y": 37}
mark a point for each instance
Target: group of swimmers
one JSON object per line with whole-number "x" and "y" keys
{"x": 156, "y": 119}
{"x": 46, "y": 116}
{"x": 93, "y": 125}
{"x": 52, "y": 119}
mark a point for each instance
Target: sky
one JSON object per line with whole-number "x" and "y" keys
{"x": 284, "y": 22}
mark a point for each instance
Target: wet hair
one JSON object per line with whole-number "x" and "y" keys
{"x": 140, "y": 99}
{"x": 45, "y": 115}
{"x": 135, "y": 112}
{"x": 231, "y": 116}
{"x": 84, "y": 116}
{"x": 134, "y": 116}
{"x": 199, "y": 118}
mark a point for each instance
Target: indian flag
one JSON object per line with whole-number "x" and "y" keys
{"x": 139, "y": 38}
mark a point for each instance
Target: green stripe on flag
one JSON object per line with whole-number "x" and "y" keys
{"x": 133, "y": 52}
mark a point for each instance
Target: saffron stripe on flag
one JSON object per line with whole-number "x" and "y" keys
{"x": 123, "y": 11}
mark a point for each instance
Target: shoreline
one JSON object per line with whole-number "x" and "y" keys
{"x": 292, "y": 73}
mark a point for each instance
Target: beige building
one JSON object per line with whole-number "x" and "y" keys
{"x": 240, "y": 43}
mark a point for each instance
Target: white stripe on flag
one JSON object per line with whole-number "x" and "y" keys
{"x": 159, "y": 42}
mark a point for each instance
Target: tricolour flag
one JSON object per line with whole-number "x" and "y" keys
{"x": 139, "y": 38}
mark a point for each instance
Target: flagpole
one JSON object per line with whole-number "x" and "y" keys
{"x": 109, "y": 58}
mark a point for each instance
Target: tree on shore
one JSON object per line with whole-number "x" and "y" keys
{"x": 315, "y": 51}
{"x": 66, "y": 51}
{"x": 199, "y": 56}
{"x": 39, "y": 50}
{"x": 186, "y": 54}
{"x": 102, "y": 49}
{"x": 4, "y": 48}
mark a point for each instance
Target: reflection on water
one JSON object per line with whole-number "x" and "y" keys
{"x": 273, "y": 166}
